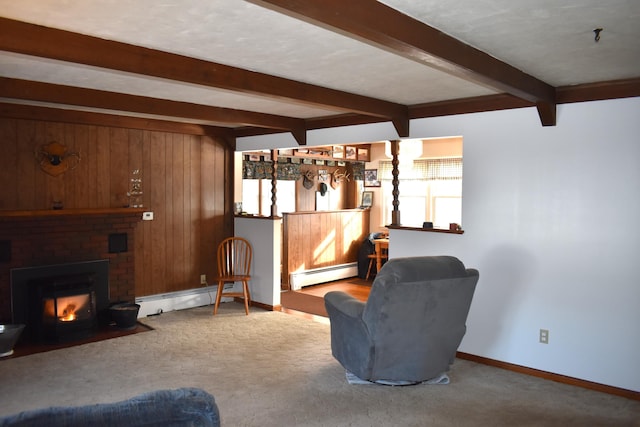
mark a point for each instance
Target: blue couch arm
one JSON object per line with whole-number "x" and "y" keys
{"x": 181, "y": 407}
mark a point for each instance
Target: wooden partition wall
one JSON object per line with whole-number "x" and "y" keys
{"x": 320, "y": 239}
{"x": 184, "y": 184}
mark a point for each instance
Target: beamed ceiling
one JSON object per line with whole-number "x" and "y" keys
{"x": 239, "y": 68}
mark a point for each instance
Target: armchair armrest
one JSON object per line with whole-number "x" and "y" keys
{"x": 345, "y": 303}
{"x": 351, "y": 343}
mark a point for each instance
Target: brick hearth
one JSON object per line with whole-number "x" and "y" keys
{"x": 36, "y": 238}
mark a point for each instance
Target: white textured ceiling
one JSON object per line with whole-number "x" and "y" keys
{"x": 548, "y": 39}
{"x": 552, "y": 40}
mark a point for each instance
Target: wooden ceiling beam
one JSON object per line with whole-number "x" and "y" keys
{"x": 40, "y": 41}
{"x": 389, "y": 29}
{"x": 69, "y": 95}
{"x": 36, "y": 112}
{"x": 475, "y": 104}
{"x": 613, "y": 89}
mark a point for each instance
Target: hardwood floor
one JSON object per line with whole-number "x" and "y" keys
{"x": 310, "y": 299}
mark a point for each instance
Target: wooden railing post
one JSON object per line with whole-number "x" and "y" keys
{"x": 274, "y": 182}
{"x": 395, "y": 214}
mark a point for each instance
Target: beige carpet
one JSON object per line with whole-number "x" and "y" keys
{"x": 276, "y": 369}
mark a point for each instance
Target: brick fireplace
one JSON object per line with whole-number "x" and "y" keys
{"x": 49, "y": 237}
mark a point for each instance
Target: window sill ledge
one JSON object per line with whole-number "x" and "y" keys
{"x": 428, "y": 230}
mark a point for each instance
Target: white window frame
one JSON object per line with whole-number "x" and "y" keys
{"x": 257, "y": 201}
{"x": 414, "y": 214}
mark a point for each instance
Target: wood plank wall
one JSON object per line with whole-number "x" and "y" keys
{"x": 342, "y": 197}
{"x": 183, "y": 181}
{"x": 321, "y": 239}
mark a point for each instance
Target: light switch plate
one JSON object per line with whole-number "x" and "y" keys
{"x": 147, "y": 216}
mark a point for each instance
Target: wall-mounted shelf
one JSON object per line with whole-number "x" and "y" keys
{"x": 342, "y": 153}
{"x": 429, "y": 230}
{"x": 40, "y": 213}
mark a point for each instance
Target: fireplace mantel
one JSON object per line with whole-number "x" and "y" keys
{"x": 42, "y": 213}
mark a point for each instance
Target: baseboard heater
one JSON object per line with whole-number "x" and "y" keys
{"x": 299, "y": 279}
{"x": 179, "y": 300}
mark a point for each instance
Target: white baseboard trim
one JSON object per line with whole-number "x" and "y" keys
{"x": 322, "y": 275}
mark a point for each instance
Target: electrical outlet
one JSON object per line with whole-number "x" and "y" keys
{"x": 203, "y": 279}
{"x": 544, "y": 336}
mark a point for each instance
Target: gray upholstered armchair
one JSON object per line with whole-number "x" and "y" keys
{"x": 412, "y": 324}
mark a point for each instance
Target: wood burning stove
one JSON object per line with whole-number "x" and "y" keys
{"x": 61, "y": 302}
{"x": 62, "y": 308}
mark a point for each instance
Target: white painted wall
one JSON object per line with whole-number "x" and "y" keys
{"x": 549, "y": 215}
{"x": 264, "y": 234}
{"x": 265, "y": 238}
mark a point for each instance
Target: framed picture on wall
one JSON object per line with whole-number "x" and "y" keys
{"x": 350, "y": 153}
{"x": 367, "y": 199}
{"x": 371, "y": 178}
{"x": 338, "y": 151}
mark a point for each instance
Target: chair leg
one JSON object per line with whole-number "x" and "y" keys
{"x": 247, "y": 296}
{"x": 371, "y": 260}
{"x": 218, "y": 297}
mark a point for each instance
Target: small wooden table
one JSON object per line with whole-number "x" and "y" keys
{"x": 381, "y": 244}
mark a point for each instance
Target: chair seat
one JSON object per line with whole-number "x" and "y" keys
{"x": 232, "y": 279}
{"x": 237, "y": 278}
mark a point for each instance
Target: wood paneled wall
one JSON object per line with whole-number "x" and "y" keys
{"x": 321, "y": 239}
{"x": 342, "y": 197}
{"x": 184, "y": 181}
